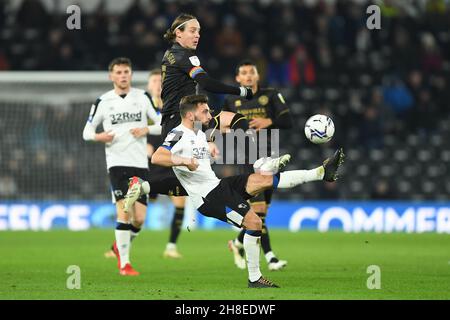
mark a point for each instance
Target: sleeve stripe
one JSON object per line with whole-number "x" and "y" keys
{"x": 283, "y": 112}
{"x": 167, "y": 147}
{"x": 195, "y": 71}
{"x": 93, "y": 110}
{"x": 150, "y": 99}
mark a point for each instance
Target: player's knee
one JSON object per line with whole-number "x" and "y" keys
{"x": 267, "y": 181}
{"x": 138, "y": 221}
{"x": 252, "y": 221}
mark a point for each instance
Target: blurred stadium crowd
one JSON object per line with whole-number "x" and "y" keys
{"x": 387, "y": 90}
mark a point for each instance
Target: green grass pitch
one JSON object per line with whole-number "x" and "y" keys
{"x": 321, "y": 266}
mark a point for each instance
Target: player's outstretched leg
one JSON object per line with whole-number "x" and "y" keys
{"x": 331, "y": 165}
{"x": 269, "y": 165}
{"x": 326, "y": 172}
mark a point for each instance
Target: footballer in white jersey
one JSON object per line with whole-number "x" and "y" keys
{"x": 124, "y": 113}
{"x": 119, "y": 114}
{"x": 186, "y": 151}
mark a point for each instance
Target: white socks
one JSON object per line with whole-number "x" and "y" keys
{"x": 251, "y": 247}
{"x": 290, "y": 179}
{"x": 171, "y": 246}
{"x": 123, "y": 242}
{"x": 269, "y": 255}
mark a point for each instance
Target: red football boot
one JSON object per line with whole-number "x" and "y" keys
{"x": 128, "y": 271}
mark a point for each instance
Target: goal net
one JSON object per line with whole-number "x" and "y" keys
{"x": 43, "y": 155}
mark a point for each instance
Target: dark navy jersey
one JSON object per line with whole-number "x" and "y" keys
{"x": 179, "y": 68}
{"x": 266, "y": 103}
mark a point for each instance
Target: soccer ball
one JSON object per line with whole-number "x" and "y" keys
{"x": 319, "y": 129}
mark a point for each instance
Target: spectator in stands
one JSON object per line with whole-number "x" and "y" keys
{"x": 431, "y": 59}
{"x": 33, "y": 14}
{"x": 278, "y": 70}
{"x": 397, "y": 95}
{"x": 229, "y": 43}
{"x": 371, "y": 129}
{"x": 301, "y": 68}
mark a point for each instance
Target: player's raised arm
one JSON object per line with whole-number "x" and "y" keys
{"x": 215, "y": 86}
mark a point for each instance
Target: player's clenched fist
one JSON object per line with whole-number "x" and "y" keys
{"x": 191, "y": 164}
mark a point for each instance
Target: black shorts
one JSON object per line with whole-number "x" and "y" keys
{"x": 265, "y": 196}
{"x": 170, "y": 121}
{"x": 156, "y": 173}
{"x": 119, "y": 177}
{"x": 169, "y": 186}
{"x": 228, "y": 201}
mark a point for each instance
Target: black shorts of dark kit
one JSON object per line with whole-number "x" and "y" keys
{"x": 168, "y": 185}
{"x": 229, "y": 195}
{"x": 163, "y": 181}
{"x": 120, "y": 177}
{"x": 262, "y": 197}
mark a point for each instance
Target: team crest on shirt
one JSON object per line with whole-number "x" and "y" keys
{"x": 238, "y": 103}
{"x": 195, "y": 61}
{"x": 263, "y": 100}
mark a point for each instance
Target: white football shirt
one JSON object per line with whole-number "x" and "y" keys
{"x": 184, "y": 142}
{"x": 120, "y": 114}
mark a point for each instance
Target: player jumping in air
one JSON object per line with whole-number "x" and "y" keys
{"x": 186, "y": 150}
{"x": 266, "y": 110}
{"x": 124, "y": 113}
{"x": 181, "y": 72}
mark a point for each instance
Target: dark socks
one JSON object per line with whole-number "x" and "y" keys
{"x": 177, "y": 222}
{"x": 265, "y": 240}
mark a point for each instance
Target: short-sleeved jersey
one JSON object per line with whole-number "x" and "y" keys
{"x": 120, "y": 114}
{"x": 179, "y": 67}
{"x": 184, "y": 142}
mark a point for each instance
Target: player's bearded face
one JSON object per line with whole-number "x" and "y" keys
{"x": 248, "y": 76}
{"x": 190, "y": 36}
{"x": 202, "y": 114}
{"x": 121, "y": 76}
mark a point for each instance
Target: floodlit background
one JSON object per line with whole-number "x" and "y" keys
{"x": 387, "y": 91}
